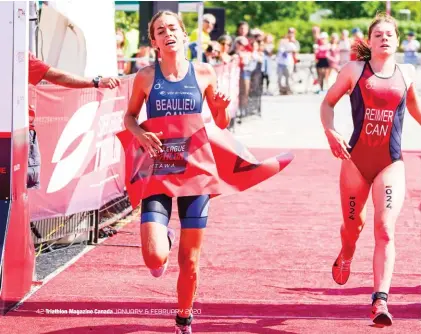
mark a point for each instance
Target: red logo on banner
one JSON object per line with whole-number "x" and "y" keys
{"x": 68, "y": 167}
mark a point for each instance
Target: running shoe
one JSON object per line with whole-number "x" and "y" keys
{"x": 181, "y": 329}
{"x": 183, "y": 325}
{"x": 380, "y": 314}
{"x": 160, "y": 271}
{"x": 341, "y": 270}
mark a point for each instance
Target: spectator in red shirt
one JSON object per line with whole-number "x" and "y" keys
{"x": 37, "y": 71}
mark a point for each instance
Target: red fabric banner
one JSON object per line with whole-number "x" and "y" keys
{"x": 196, "y": 160}
{"x": 82, "y": 161}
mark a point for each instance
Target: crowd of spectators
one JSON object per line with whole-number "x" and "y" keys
{"x": 255, "y": 51}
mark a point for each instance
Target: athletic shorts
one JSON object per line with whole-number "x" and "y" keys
{"x": 322, "y": 63}
{"x": 192, "y": 210}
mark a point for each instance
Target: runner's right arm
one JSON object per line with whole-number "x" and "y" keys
{"x": 343, "y": 84}
{"x": 149, "y": 140}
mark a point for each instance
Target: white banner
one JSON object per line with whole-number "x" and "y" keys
{"x": 6, "y": 65}
{"x": 20, "y": 65}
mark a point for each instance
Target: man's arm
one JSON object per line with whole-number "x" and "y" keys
{"x": 38, "y": 70}
{"x": 65, "y": 79}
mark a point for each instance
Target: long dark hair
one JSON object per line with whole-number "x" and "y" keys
{"x": 361, "y": 48}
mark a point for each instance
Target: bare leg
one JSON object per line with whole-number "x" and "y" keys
{"x": 354, "y": 193}
{"x": 155, "y": 244}
{"x": 388, "y": 198}
{"x": 188, "y": 259}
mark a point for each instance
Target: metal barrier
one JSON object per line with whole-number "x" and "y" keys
{"x": 80, "y": 227}
{"x": 52, "y": 229}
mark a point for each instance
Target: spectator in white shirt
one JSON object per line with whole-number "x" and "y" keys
{"x": 410, "y": 48}
{"x": 288, "y": 48}
{"x": 344, "y": 48}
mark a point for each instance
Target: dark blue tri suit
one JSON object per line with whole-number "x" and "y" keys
{"x": 168, "y": 98}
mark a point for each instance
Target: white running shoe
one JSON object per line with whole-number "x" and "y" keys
{"x": 160, "y": 271}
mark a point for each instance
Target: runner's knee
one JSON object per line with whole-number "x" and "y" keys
{"x": 154, "y": 260}
{"x": 189, "y": 263}
{"x": 383, "y": 232}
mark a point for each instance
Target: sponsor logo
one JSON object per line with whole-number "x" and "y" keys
{"x": 97, "y": 141}
{"x": 158, "y": 84}
{"x": 370, "y": 84}
{"x": 68, "y": 167}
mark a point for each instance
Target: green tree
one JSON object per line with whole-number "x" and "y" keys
{"x": 371, "y": 8}
{"x": 360, "y": 9}
{"x": 260, "y": 12}
{"x": 350, "y": 9}
{"x": 413, "y": 6}
{"x": 126, "y": 20}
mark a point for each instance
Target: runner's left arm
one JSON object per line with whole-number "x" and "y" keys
{"x": 413, "y": 101}
{"x": 217, "y": 101}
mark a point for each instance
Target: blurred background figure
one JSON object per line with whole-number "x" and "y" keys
{"x": 410, "y": 48}
{"x": 333, "y": 55}
{"x": 242, "y": 47}
{"x": 208, "y": 24}
{"x": 121, "y": 41}
{"x": 144, "y": 57}
{"x": 357, "y": 37}
{"x": 286, "y": 59}
{"x": 269, "y": 44}
{"x": 344, "y": 48}
{"x": 243, "y": 30}
{"x": 322, "y": 61}
{"x": 225, "y": 42}
{"x": 212, "y": 53}
{"x": 316, "y": 34}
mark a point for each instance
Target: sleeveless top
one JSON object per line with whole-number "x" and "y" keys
{"x": 170, "y": 98}
{"x": 378, "y": 107}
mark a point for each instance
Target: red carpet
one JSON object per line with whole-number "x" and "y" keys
{"x": 265, "y": 267}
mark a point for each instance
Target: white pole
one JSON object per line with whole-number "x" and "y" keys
{"x": 200, "y": 8}
{"x": 32, "y": 26}
{"x": 388, "y": 7}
